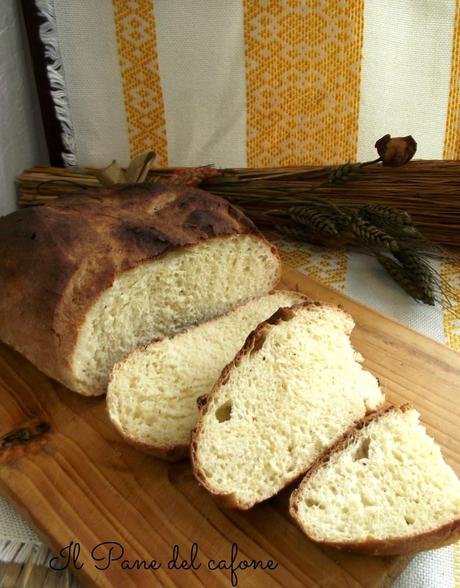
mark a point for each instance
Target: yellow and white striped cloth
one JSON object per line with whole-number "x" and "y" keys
{"x": 259, "y": 82}
{"x": 253, "y": 83}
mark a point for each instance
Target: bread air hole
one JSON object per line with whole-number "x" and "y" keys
{"x": 409, "y": 520}
{"x": 224, "y": 412}
{"x": 362, "y": 451}
{"x": 313, "y": 502}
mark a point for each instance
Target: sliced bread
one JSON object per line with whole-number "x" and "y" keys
{"x": 152, "y": 395}
{"x": 87, "y": 278}
{"x": 289, "y": 394}
{"x": 383, "y": 489}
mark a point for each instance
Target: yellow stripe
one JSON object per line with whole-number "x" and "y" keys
{"x": 452, "y": 133}
{"x": 303, "y": 61}
{"x": 136, "y": 41}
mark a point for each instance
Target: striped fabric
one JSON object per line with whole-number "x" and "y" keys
{"x": 138, "y": 59}
{"x": 241, "y": 83}
{"x": 259, "y": 82}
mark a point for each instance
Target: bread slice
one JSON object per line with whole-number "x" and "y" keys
{"x": 290, "y": 393}
{"x": 87, "y": 278}
{"x": 184, "y": 287}
{"x": 384, "y": 489}
{"x": 152, "y": 394}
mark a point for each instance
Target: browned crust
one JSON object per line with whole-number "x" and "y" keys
{"x": 170, "y": 452}
{"x": 444, "y": 535}
{"x": 253, "y": 343}
{"x": 57, "y": 259}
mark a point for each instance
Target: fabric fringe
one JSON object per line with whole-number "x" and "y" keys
{"x": 30, "y": 555}
{"x": 20, "y": 552}
{"x": 55, "y": 71}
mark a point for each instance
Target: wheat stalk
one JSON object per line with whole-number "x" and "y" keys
{"x": 409, "y": 283}
{"x": 322, "y": 222}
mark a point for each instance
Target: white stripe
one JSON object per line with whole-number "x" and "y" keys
{"x": 202, "y": 69}
{"x": 406, "y": 73}
{"x": 92, "y": 72}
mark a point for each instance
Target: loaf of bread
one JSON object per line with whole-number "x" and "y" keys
{"x": 152, "y": 395}
{"x": 88, "y": 278}
{"x": 288, "y": 395}
{"x": 383, "y": 489}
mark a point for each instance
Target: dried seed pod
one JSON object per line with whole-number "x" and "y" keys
{"x": 399, "y": 275}
{"x": 396, "y": 151}
{"x": 372, "y": 235}
{"x": 317, "y": 218}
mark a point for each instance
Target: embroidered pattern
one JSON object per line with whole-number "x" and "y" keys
{"x": 136, "y": 40}
{"x": 303, "y": 62}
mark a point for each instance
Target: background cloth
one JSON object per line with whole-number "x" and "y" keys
{"x": 253, "y": 83}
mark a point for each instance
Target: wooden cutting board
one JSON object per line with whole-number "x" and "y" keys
{"x": 70, "y": 475}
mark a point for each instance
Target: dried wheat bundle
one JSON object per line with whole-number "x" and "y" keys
{"x": 428, "y": 190}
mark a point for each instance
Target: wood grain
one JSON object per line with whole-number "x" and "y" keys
{"x": 77, "y": 481}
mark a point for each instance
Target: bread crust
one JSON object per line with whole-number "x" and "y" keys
{"x": 57, "y": 259}
{"x": 254, "y": 341}
{"x": 444, "y": 535}
{"x": 170, "y": 452}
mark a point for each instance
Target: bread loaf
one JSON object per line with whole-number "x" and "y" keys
{"x": 289, "y": 394}
{"x": 383, "y": 489}
{"x": 88, "y": 278}
{"x": 152, "y": 394}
